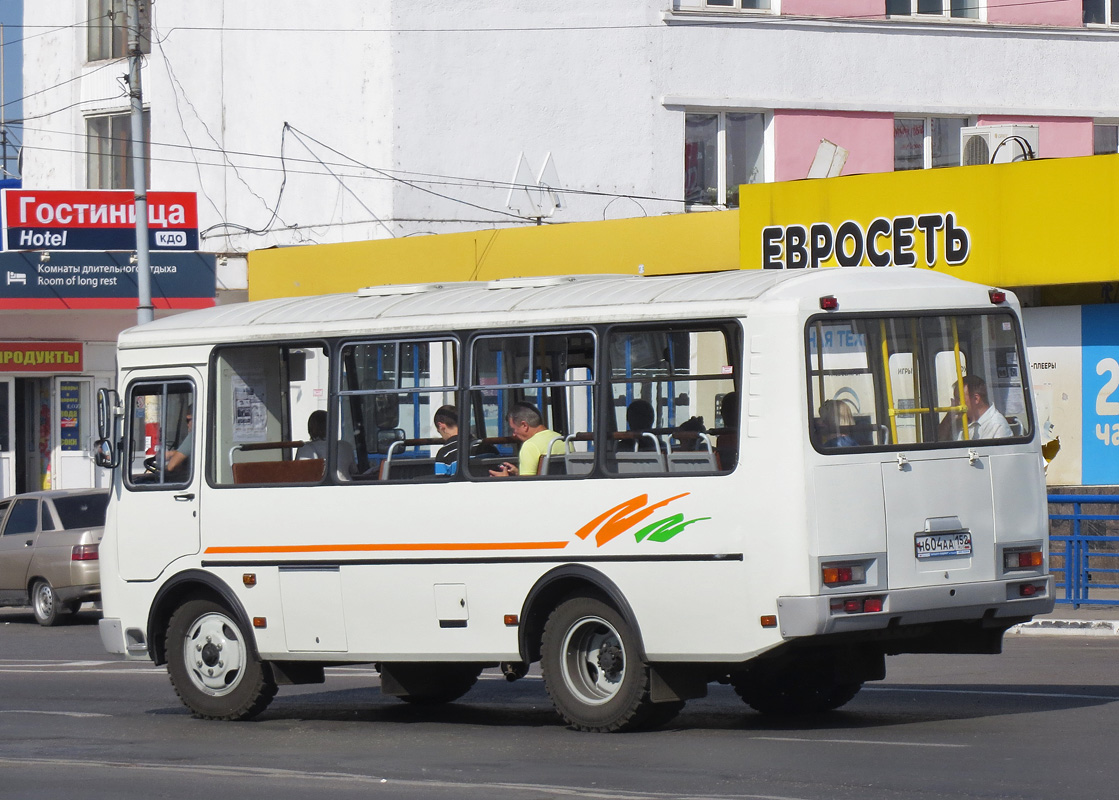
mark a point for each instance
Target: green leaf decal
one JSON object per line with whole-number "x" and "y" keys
{"x": 666, "y": 528}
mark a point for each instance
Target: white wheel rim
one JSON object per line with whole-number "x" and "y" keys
{"x": 214, "y": 654}
{"x": 44, "y": 601}
{"x": 594, "y": 660}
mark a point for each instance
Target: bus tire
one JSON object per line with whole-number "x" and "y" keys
{"x": 592, "y": 670}
{"x": 45, "y": 603}
{"x": 436, "y": 684}
{"x": 211, "y": 665}
{"x": 795, "y": 693}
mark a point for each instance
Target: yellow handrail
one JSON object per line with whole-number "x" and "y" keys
{"x": 889, "y": 382}
{"x": 959, "y": 379}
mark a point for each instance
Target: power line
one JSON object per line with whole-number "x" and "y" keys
{"x": 405, "y": 176}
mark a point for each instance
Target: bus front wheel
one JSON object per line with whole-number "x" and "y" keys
{"x": 592, "y": 670}
{"x": 211, "y": 666}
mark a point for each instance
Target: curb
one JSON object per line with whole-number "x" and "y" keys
{"x": 1067, "y": 627}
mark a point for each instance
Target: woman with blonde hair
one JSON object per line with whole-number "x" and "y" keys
{"x": 836, "y": 417}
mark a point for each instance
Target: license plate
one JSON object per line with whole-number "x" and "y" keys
{"x": 957, "y": 543}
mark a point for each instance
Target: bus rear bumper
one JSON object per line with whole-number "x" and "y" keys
{"x": 988, "y": 601}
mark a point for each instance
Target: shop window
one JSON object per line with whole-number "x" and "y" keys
{"x": 751, "y": 5}
{"x": 924, "y": 142}
{"x": 108, "y": 29}
{"x": 1105, "y": 139}
{"x": 109, "y": 154}
{"x": 722, "y": 151}
{"x": 1101, "y": 12}
{"x": 954, "y": 9}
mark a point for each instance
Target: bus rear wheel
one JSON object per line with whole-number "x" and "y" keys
{"x": 211, "y": 666}
{"x": 592, "y": 669}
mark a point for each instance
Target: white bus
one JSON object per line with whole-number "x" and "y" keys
{"x": 772, "y": 479}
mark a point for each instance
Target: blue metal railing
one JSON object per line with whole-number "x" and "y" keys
{"x": 1085, "y": 560}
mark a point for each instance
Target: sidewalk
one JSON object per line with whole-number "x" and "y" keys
{"x": 1064, "y": 620}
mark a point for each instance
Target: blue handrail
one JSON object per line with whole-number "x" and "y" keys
{"x": 1079, "y": 565}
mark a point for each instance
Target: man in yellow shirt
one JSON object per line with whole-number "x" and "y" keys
{"x": 529, "y": 429}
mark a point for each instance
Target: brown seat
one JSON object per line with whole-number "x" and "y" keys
{"x": 308, "y": 470}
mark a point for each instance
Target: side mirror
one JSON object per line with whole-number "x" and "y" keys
{"x": 108, "y": 408}
{"x": 105, "y": 455}
{"x": 108, "y": 403}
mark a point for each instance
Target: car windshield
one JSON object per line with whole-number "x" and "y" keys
{"x": 82, "y": 510}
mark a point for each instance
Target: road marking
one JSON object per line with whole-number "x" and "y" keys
{"x": 875, "y": 742}
{"x": 990, "y": 692}
{"x": 53, "y": 713}
{"x": 518, "y": 790}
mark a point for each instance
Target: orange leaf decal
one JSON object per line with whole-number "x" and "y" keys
{"x": 619, "y": 519}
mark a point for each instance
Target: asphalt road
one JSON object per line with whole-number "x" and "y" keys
{"x": 1039, "y": 721}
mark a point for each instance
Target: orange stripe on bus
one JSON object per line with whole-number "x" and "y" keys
{"x": 340, "y": 548}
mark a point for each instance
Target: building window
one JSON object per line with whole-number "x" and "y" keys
{"x": 109, "y": 153}
{"x": 956, "y": 9}
{"x": 924, "y": 142}
{"x": 108, "y": 29}
{"x": 1101, "y": 12}
{"x": 721, "y": 152}
{"x": 752, "y": 5}
{"x": 1105, "y": 139}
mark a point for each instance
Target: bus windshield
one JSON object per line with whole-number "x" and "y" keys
{"x": 888, "y": 381}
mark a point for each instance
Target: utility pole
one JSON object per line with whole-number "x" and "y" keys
{"x": 3, "y": 112}
{"x": 144, "y": 311}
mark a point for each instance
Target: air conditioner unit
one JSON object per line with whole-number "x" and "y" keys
{"x": 997, "y": 144}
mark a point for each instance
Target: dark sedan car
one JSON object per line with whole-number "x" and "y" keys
{"x": 49, "y": 550}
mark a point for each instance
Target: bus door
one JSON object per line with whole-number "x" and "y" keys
{"x": 7, "y": 437}
{"x": 161, "y": 467}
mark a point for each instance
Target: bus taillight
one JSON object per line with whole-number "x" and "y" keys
{"x": 1022, "y": 559}
{"x": 857, "y": 605}
{"x": 840, "y": 574}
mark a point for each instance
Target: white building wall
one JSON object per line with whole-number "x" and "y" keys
{"x": 445, "y": 97}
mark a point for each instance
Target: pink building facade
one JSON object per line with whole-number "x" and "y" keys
{"x": 902, "y": 84}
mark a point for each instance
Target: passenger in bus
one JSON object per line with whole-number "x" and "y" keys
{"x": 446, "y": 423}
{"x": 640, "y": 417}
{"x": 984, "y": 420}
{"x": 726, "y": 443}
{"x": 836, "y": 419}
{"x": 527, "y": 426}
{"x": 317, "y": 447}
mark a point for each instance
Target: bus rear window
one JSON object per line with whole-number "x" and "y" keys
{"x": 913, "y": 380}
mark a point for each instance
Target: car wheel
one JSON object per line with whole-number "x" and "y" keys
{"x": 45, "y": 603}
{"x": 211, "y": 665}
{"x": 592, "y": 670}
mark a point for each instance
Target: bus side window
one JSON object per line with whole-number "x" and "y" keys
{"x": 531, "y": 405}
{"x": 161, "y": 447}
{"x": 265, "y": 397}
{"x": 398, "y": 404}
{"x": 670, "y": 388}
